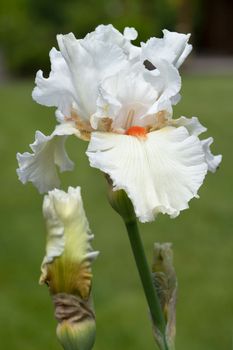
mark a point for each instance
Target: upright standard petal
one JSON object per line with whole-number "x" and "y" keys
{"x": 39, "y": 167}
{"x": 166, "y": 81}
{"x": 107, "y": 33}
{"x": 57, "y": 90}
{"x": 173, "y": 48}
{"x": 160, "y": 173}
{"x": 90, "y": 61}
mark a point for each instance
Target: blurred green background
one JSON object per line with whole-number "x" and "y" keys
{"x": 202, "y": 236}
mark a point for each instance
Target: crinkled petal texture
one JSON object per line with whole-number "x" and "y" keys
{"x": 159, "y": 174}
{"x": 39, "y": 167}
{"x": 68, "y": 238}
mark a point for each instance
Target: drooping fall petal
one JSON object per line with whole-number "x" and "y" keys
{"x": 160, "y": 173}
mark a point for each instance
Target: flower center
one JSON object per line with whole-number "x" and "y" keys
{"x": 137, "y": 131}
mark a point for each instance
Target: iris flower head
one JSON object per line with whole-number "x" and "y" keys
{"x": 119, "y": 98}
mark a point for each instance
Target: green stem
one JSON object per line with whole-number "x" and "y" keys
{"x": 123, "y": 206}
{"x": 146, "y": 278}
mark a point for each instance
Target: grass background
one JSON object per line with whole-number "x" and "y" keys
{"x": 202, "y": 237}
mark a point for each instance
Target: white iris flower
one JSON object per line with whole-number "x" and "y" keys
{"x": 119, "y": 97}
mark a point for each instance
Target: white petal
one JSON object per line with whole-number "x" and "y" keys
{"x": 107, "y": 33}
{"x": 39, "y": 167}
{"x": 90, "y": 61}
{"x": 167, "y": 82}
{"x": 212, "y": 161}
{"x": 159, "y": 174}
{"x": 56, "y": 90}
{"x": 124, "y": 94}
{"x": 173, "y": 48}
{"x": 130, "y": 33}
{"x": 194, "y": 127}
{"x": 178, "y": 43}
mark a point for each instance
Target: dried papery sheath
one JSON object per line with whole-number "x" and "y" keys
{"x": 66, "y": 268}
{"x": 165, "y": 282}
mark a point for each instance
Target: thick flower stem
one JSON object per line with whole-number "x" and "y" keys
{"x": 146, "y": 278}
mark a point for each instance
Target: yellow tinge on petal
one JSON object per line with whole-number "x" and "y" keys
{"x": 66, "y": 268}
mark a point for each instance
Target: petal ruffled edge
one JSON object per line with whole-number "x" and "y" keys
{"x": 57, "y": 90}
{"x": 194, "y": 127}
{"x": 39, "y": 167}
{"x": 173, "y": 48}
{"x": 212, "y": 161}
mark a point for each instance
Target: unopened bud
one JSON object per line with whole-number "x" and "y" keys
{"x": 66, "y": 268}
{"x": 165, "y": 282}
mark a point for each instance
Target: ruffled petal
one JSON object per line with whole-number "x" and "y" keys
{"x": 166, "y": 81}
{"x": 212, "y": 161}
{"x": 159, "y": 174}
{"x": 194, "y": 127}
{"x": 90, "y": 61}
{"x": 178, "y": 43}
{"x": 39, "y": 167}
{"x": 133, "y": 96}
{"x": 173, "y": 48}
{"x": 107, "y": 33}
{"x": 57, "y": 90}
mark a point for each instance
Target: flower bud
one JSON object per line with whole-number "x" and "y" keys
{"x": 66, "y": 268}
{"x": 165, "y": 282}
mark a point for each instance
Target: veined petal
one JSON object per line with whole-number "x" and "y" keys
{"x": 57, "y": 90}
{"x": 90, "y": 61}
{"x": 159, "y": 174}
{"x": 39, "y": 167}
